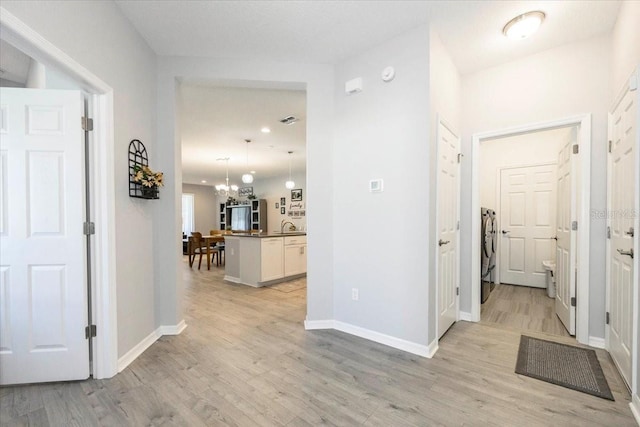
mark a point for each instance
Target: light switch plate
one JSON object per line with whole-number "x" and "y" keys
{"x": 376, "y": 185}
{"x": 353, "y": 86}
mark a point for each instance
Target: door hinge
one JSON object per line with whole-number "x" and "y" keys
{"x": 89, "y": 228}
{"x": 576, "y": 148}
{"x": 87, "y": 124}
{"x": 458, "y": 290}
{"x": 608, "y": 232}
{"x": 460, "y": 157}
{"x": 90, "y": 331}
{"x": 606, "y": 318}
{"x": 574, "y": 225}
{"x": 573, "y": 301}
{"x": 610, "y": 145}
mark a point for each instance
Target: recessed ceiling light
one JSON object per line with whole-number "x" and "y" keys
{"x": 252, "y": 172}
{"x": 522, "y": 26}
{"x": 204, "y": 181}
{"x": 265, "y": 130}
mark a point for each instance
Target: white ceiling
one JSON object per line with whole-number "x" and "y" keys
{"x": 215, "y": 121}
{"x": 325, "y": 32}
{"x": 328, "y": 31}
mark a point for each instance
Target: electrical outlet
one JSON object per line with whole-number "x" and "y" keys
{"x": 354, "y": 294}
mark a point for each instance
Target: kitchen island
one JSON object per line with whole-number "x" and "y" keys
{"x": 265, "y": 259}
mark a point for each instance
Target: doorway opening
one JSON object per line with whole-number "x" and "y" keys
{"x": 101, "y": 181}
{"x": 526, "y": 248}
{"x": 241, "y": 142}
{"x": 536, "y": 209}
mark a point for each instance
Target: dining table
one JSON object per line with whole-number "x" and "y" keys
{"x": 209, "y": 242}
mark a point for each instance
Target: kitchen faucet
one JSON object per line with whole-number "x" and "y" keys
{"x": 283, "y": 223}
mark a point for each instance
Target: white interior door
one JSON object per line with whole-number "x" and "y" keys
{"x": 43, "y": 295}
{"x": 621, "y": 187}
{"x": 448, "y": 200}
{"x": 527, "y": 222}
{"x": 566, "y": 240}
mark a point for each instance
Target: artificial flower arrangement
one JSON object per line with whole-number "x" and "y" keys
{"x": 148, "y": 178}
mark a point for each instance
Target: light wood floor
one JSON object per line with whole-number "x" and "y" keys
{"x": 522, "y": 308}
{"x": 245, "y": 359}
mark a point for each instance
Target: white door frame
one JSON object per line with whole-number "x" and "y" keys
{"x": 439, "y": 121}
{"x": 102, "y": 188}
{"x": 633, "y": 81}
{"x": 584, "y": 141}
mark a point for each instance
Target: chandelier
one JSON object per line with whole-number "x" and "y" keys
{"x": 226, "y": 190}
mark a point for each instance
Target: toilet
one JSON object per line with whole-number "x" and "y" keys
{"x": 550, "y": 270}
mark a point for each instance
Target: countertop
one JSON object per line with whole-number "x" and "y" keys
{"x": 265, "y": 235}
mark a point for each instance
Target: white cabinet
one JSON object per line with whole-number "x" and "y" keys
{"x": 261, "y": 261}
{"x": 272, "y": 259}
{"x": 295, "y": 255}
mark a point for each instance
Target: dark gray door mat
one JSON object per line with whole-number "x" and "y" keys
{"x": 565, "y": 365}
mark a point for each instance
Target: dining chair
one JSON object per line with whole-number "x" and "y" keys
{"x": 220, "y": 245}
{"x": 199, "y": 247}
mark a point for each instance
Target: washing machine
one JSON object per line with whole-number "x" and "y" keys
{"x": 488, "y": 246}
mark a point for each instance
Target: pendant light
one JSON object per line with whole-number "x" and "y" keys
{"x": 226, "y": 190}
{"x": 290, "y": 184}
{"x": 247, "y": 178}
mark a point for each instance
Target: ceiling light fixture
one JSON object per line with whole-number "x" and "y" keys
{"x": 226, "y": 190}
{"x": 247, "y": 178}
{"x": 265, "y": 130}
{"x": 522, "y": 26}
{"x": 204, "y": 181}
{"x": 289, "y": 120}
{"x": 290, "y": 184}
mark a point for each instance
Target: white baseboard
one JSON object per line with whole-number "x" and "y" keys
{"x": 137, "y": 350}
{"x": 596, "y": 342}
{"x": 635, "y": 407}
{"x": 148, "y": 341}
{"x": 232, "y": 279}
{"x": 433, "y": 347}
{"x": 466, "y": 316}
{"x": 318, "y": 324}
{"x": 400, "y": 344}
{"x": 172, "y": 329}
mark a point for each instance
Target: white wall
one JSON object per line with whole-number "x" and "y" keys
{"x": 380, "y": 240}
{"x": 205, "y": 207}
{"x": 318, "y": 82}
{"x": 272, "y": 189}
{"x": 446, "y": 105}
{"x": 625, "y": 52}
{"x": 561, "y": 82}
{"x": 521, "y": 150}
{"x": 98, "y": 36}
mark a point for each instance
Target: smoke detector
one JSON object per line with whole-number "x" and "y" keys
{"x": 289, "y": 120}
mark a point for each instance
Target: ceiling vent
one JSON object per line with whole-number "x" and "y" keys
{"x": 289, "y": 120}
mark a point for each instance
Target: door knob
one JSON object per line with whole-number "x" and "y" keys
{"x": 442, "y": 242}
{"x": 630, "y": 232}
{"x": 628, "y": 253}
{"x": 505, "y": 231}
